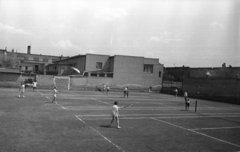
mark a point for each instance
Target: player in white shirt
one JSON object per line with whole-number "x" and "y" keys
{"x": 22, "y": 90}
{"x": 54, "y": 94}
{"x": 34, "y": 85}
{"x": 108, "y": 89}
{"x": 115, "y": 113}
{"x": 185, "y": 95}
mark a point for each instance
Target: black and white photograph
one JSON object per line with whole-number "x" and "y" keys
{"x": 120, "y": 75}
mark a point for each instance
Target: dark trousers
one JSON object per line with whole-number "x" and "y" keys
{"x": 125, "y": 94}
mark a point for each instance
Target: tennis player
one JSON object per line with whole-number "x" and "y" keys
{"x": 22, "y": 90}
{"x": 187, "y": 104}
{"x": 108, "y": 89}
{"x": 34, "y": 85}
{"x": 125, "y": 92}
{"x": 185, "y": 95}
{"x": 176, "y": 92}
{"x": 54, "y": 94}
{"x": 115, "y": 113}
{"x": 104, "y": 88}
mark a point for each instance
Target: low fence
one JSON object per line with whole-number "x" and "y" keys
{"x": 77, "y": 83}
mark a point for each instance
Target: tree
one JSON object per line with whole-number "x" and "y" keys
{"x": 7, "y": 62}
{"x": 168, "y": 77}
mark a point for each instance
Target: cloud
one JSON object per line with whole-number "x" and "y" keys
{"x": 65, "y": 45}
{"x": 110, "y": 13}
{"x": 155, "y": 39}
{"x": 165, "y": 37}
{"x": 159, "y": 39}
{"x": 13, "y": 30}
{"x": 216, "y": 24}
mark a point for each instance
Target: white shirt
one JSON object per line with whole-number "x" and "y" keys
{"x": 54, "y": 92}
{"x": 115, "y": 110}
{"x": 34, "y": 84}
{"x": 23, "y": 88}
{"x": 185, "y": 94}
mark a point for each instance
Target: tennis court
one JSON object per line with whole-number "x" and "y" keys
{"x": 79, "y": 121}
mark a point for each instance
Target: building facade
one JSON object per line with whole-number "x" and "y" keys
{"x": 121, "y": 69}
{"x": 216, "y": 72}
{"x": 32, "y": 63}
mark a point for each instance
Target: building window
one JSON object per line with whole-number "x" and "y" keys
{"x": 74, "y": 65}
{"x": 45, "y": 59}
{"x": 36, "y": 59}
{"x": 99, "y": 65}
{"x": 36, "y": 67}
{"x": 160, "y": 73}
{"x": 148, "y": 68}
{"x": 54, "y": 60}
{"x": 93, "y": 74}
{"x": 26, "y": 68}
{"x": 55, "y": 68}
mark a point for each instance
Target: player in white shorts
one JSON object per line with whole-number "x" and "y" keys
{"x": 54, "y": 94}
{"x": 22, "y": 90}
{"x": 115, "y": 113}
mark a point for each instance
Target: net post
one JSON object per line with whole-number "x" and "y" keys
{"x": 196, "y": 106}
{"x": 69, "y": 81}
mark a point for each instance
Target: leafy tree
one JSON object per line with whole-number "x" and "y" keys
{"x": 168, "y": 77}
{"x": 7, "y": 62}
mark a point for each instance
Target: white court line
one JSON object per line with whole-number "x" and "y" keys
{"x": 51, "y": 100}
{"x": 119, "y": 148}
{"x": 40, "y": 92}
{"x": 196, "y": 132}
{"x": 100, "y": 101}
{"x": 137, "y": 115}
{"x": 108, "y": 97}
{"x": 215, "y": 128}
{"x": 170, "y": 114}
{"x": 127, "y": 117}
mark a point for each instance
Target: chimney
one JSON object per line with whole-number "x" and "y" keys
{"x": 29, "y": 49}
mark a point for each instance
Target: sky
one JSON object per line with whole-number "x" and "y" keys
{"x": 194, "y": 33}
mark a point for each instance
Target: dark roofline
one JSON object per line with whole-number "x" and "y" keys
{"x": 68, "y": 64}
{"x": 203, "y": 67}
{"x": 70, "y": 58}
{"x": 9, "y": 70}
{"x": 3, "y": 50}
{"x": 35, "y": 54}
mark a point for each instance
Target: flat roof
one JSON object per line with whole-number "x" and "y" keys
{"x": 36, "y": 54}
{"x": 9, "y": 70}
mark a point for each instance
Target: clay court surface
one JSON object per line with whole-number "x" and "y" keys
{"x": 79, "y": 121}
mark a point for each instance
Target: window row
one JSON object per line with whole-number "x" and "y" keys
{"x": 39, "y": 59}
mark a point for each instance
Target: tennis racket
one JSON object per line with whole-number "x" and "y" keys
{"x": 128, "y": 106}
